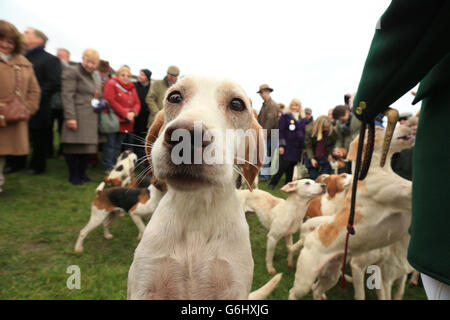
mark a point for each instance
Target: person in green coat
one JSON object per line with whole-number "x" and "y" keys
{"x": 157, "y": 91}
{"x": 411, "y": 44}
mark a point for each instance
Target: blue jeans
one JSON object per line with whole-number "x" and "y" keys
{"x": 323, "y": 167}
{"x": 112, "y": 149}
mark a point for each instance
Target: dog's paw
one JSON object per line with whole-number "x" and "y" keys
{"x": 412, "y": 283}
{"x": 79, "y": 249}
{"x": 108, "y": 236}
{"x": 271, "y": 271}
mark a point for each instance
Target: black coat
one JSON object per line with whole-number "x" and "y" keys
{"x": 141, "y": 121}
{"x": 47, "y": 68}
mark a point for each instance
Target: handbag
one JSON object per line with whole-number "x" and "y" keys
{"x": 108, "y": 122}
{"x": 12, "y": 108}
{"x": 300, "y": 170}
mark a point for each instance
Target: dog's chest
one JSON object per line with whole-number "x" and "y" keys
{"x": 192, "y": 278}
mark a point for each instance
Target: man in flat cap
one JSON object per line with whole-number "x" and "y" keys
{"x": 410, "y": 46}
{"x": 268, "y": 119}
{"x": 157, "y": 91}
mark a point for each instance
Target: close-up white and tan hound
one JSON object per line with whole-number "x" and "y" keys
{"x": 197, "y": 244}
{"x": 281, "y": 217}
{"x": 138, "y": 202}
{"x": 382, "y": 217}
{"x": 122, "y": 173}
{"x": 330, "y": 202}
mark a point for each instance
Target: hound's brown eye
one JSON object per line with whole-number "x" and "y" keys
{"x": 237, "y": 105}
{"x": 175, "y": 97}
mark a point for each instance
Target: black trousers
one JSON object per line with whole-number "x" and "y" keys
{"x": 57, "y": 115}
{"x": 77, "y": 165}
{"x": 39, "y": 142}
{"x": 286, "y": 167}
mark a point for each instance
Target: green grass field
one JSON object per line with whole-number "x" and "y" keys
{"x": 40, "y": 221}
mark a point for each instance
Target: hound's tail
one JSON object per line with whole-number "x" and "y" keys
{"x": 100, "y": 187}
{"x": 266, "y": 289}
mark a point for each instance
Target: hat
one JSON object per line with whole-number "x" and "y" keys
{"x": 264, "y": 87}
{"x": 173, "y": 71}
{"x": 147, "y": 73}
{"x": 308, "y": 111}
{"x": 103, "y": 66}
{"x": 405, "y": 115}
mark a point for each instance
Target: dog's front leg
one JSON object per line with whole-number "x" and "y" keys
{"x": 272, "y": 241}
{"x": 358, "y": 280}
{"x": 400, "y": 291}
{"x": 290, "y": 257}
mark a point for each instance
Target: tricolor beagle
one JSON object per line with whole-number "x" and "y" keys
{"x": 108, "y": 203}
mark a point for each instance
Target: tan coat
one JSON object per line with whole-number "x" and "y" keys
{"x": 14, "y": 138}
{"x": 268, "y": 116}
{"x": 155, "y": 98}
{"x": 78, "y": 89}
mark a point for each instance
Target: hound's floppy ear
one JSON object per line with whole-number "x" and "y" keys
{"x": 152, "y": 135}
{"x": 331, "y": 186}
{"x": 290, "y": 187}
{"x": 153, "y": 132}
{"x": 255, "y": 150}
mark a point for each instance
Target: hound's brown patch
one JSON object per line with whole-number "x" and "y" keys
{"x": 329, "y": 231}
{"x": 314, "y": 208}
{"x": 102, "y": 201}
{"x": 144, "y": 196}
{"x": 116, "y": 182}
{"x": 334, "y": 185}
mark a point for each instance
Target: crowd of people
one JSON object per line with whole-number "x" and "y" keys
{"x": 73, "y": 95}
{"x": 321, "y": 144}
{"x": 54, "y": 90}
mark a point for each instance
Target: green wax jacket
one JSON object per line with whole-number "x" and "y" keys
{"x": 412, "y": 44}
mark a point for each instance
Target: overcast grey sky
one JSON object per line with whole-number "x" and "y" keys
{"x": 311, "y": 50}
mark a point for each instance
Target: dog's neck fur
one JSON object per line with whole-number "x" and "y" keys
{"x": 296, "y": 205}
{"x": 375, "y": 162}
{"x": 204, "y": 208}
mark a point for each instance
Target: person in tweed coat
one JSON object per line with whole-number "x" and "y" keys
{"x": 80, "y": 84}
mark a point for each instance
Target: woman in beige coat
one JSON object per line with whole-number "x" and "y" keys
{"x": 80, "y": 84}
{"x": 14, "y": 137}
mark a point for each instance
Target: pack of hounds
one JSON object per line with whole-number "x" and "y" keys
{"x": 206, "y": 233}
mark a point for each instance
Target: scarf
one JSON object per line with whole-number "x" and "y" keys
{"x": 33, "y": 50}
{"x": 5, "y": 57}
{"x": 321, "y": 146}
{"x": 295, "y": 115}
{"x": 127, "y": 86}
